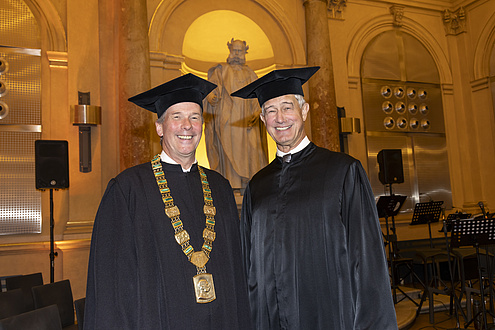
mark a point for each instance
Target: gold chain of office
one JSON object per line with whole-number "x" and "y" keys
{"x": 199, "y": 258}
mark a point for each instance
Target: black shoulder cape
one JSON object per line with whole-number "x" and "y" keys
{"x": 138, "y": 276}
{"x": 313, "y": 248}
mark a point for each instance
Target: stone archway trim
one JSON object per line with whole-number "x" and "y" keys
{"x": 296, "y": 44}
{"x": 366, "y": 32}
{"x": 53, "y": 35}
{"x": 483, "y": 50}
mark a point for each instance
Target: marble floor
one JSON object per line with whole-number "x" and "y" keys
{"x": 407, "y": 319}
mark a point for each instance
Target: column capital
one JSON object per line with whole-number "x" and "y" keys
{"x": 398, "y": 13}
{"x": 454, "y": 21}
{"x": 335, "y": 8}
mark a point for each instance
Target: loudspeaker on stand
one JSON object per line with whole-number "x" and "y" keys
{"x": 390, "y": 164}
{"x": 52, "y": 164}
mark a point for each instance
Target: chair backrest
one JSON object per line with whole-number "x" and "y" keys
{"x": 11, "y": 303}
{"x": 46, "y": 318}
{"x": 79, "y": 304}
{"x": 21, "y": 281}
{"x": 25, "y": 282}
{"x": 58, "y": 293}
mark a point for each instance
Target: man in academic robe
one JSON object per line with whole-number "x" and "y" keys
{"x": 312, "y": 244}
{"x": 165, "y": 251}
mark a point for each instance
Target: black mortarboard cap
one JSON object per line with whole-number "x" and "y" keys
{"x": 187, "y": 88}
{"x": 277, "y": 83}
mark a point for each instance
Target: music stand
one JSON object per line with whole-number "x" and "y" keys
{"x": 455, "y": 302}
{"x": 427, "y": 213}
{"x": 453, "y": 216}
{"x": 389, "y": 206}
{"x": 475, "y": 232}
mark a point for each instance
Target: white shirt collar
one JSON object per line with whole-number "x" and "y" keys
{"x": 303, "y": 144}
{"x": 167, "y": 159}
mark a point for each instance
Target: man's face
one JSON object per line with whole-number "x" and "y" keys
{"x": 284, "y": 121}
{"x": 237, "y": 53}
{"x": 181, "y": 130}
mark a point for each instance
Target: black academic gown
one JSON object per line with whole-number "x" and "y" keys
{"x": 313, "y": 247}
{"x": 138, "y": 276}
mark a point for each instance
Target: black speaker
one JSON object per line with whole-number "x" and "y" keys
{"x": 52, "y": 164}
{"x": 390, "y": 163}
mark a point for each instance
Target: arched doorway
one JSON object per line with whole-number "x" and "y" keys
{"x": 191, "y": 37}
{"x": 402, "y": 103}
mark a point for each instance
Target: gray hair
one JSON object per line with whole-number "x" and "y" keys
{"x": 161, "y": 118}
{"x": 300, "y": 99}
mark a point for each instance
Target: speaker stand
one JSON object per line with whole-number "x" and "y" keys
{"x": 53, "y": 254}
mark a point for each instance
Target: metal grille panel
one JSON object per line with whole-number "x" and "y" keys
{"x": 23, "y": 88}
{"x": 20, "y": 118}
{"x": 20, "y": 202}
{"x": 18, "y": 26}
{"x": 394, "y": 55}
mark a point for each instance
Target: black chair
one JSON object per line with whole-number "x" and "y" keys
{"x": 11, "y": 303}
{"x": 473, "y": 287}
{"x": 79, "y": 304}
{"x": 46, "y": 318}
{"x": 60, "y": 294}
{"x": 25, "y": 282}
{"x": 430, "y": 259}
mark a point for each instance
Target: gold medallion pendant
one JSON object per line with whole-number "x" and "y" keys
{"x": 204, "y": 288}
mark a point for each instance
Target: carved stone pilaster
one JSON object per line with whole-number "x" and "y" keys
{"x": 454, "y": 21}
{"x": 398, "y": 13}
{"x": 324, "y": 115}
{"x": 336, "y": 8}
{"x": 135, "y": 126}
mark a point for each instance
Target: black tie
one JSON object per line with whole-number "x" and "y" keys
{"x": 286, "y": 158}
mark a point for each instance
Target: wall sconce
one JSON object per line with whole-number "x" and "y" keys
{"x": 85, "y": 116}
{"x": 348, "y": 125}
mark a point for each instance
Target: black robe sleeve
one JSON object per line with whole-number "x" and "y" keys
{"x": 112, "y": 294}
{"x": 371, "y": 294}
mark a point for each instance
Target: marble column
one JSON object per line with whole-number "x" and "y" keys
{"x": 135, "y": 124}
{"x": 323, "y": 108}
